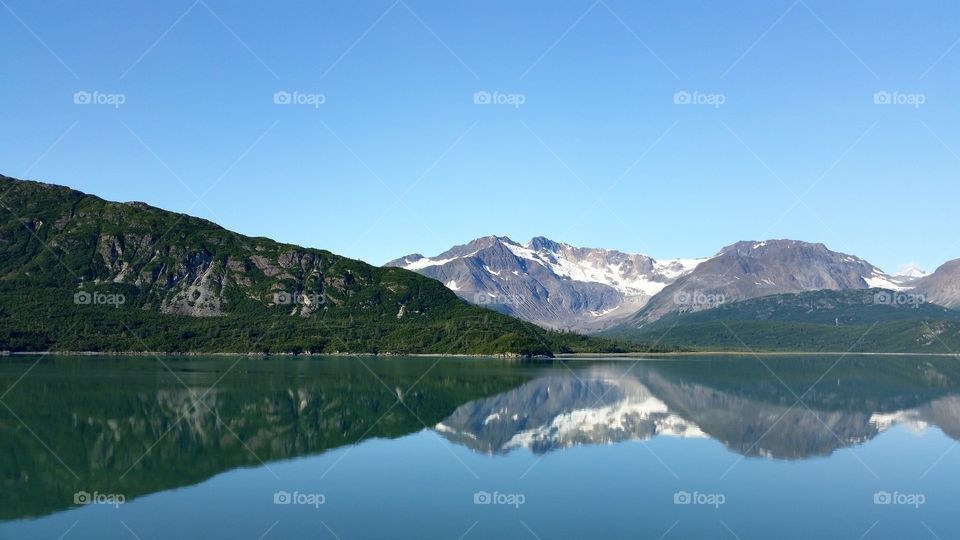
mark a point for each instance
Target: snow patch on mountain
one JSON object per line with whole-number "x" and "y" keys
{"x": 587, "y": 269}
{"x": 674, "y": 268}
{"x": 879, "y": 280}
{"x": 909, "y": 418}
{"x": 425, "y": 262}
{"x": 911, "y": 270}
{"x": 604, "y": 424}
{"x": 615, "y": 275}
{"x": 491, "y": 270}
{"x": 549, "y": 283}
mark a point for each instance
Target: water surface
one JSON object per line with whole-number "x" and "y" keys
{"x": 334, "y": 447}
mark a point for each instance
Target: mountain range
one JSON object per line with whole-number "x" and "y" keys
{"x": 557, "y": 285}
{"x": 78, "y": 273}
{"x": 606, "y": 406}
{"x": 102, "y": 420}
{"x": 781, "y": 294}
{"x": 551, "y": 284}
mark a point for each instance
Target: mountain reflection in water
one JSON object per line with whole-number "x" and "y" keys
{"x": 610, "y": 404}
{"x": 127, "y": 425}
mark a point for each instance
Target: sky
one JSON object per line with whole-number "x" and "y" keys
{"x": 375, "y": 129}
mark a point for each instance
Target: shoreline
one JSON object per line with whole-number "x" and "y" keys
{"x": 559, "y": 356}
{"x": 255, "y": 354}
{"x": 756, "y": 353}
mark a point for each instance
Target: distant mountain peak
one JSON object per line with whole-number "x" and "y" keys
{"x": 557, "y": 285}
{"x": 911, "y": 270}
{"x": 752, "y": 268}
{"x": 550, "y": 283}
{"x": 756, "y": 247}
{"x": 544, "y": 243}
{"x": 942, "y": 287}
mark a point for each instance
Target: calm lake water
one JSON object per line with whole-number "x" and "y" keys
{"x": 353, "y": 448}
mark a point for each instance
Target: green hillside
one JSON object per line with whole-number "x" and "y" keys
{"x": 78, "y": 273}
{"x": 810, "y": 321}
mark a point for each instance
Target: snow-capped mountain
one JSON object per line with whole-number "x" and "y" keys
{"x": 608, "y": 405}
{"x": 908, "y": 275}
{"x": 549, "y": 283}
{"x": 557, "y": 285}
{"x": 752, "y": 269}
{"x": 556, "y": 412}
{"x": 911, "y": 271}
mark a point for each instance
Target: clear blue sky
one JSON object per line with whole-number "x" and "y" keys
{"x": 598, "y": 119}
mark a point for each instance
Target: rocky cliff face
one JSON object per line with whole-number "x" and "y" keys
{"x": 942, "y": 286}
{"x": 754, "y": 269}
{"x": 221, "y": 290}
{"x": 549, "y": 283}
{"x": 177, "y": 274}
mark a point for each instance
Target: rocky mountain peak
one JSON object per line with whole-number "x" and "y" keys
{"x": 550, "y": 283}
{"x": 760, "y": 248}
{"x": 911, "y": 271}
{"x": 942, "y": 287}
{"x": 542, "y": 243}
{"x": 751, "y": 269}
